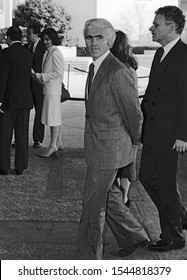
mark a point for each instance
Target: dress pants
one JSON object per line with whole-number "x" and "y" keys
{"x": 158, "y": 174}
{"x": 38, "y": 128}
{"x": 102, "y": 201}
{"x": 17, "y": 119}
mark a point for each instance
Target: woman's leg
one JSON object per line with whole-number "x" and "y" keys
{"x": 54, "y": 137}
{"x": 59, "y": 139}
{"x": 53, "y": 144}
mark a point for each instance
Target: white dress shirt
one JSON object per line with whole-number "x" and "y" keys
{"x": 168, "y": 47}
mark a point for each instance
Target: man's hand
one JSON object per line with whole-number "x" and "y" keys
{"x": 180, "y": 146}
{"x": 0, "y": 108}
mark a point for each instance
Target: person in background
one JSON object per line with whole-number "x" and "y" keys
{"x": 37, "y": 47}
{"x": 15, "y": 101}
{"x": 51, "y": 77}
{"x": 113, "y": 119}
{"x": 164, "y": 134}
{"x": 123, "y": 51}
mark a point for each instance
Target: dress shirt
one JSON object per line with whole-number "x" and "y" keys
{"x": 168, "y": 47}
{"x": 98, "y": 62}
{"x": 35, "y": 45}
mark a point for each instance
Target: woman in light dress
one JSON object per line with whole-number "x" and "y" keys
{"x": 52, "y": 77}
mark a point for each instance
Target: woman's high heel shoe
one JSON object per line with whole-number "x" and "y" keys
{"x": 51, "y": 151}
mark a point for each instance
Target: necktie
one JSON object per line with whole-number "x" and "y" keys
{"x": 31, "y": 48}
{"x": 90, "y": 75}
{"x": 160, "y": 52}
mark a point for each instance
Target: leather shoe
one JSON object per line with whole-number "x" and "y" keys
{"x": 3, "y": 172}
{"x": 18, "y": 172}
{"x": 124, "y": 252}
{"x": 128, "y": 203}
{"x": 166, "y": 245}
{"x": 36, "y": 145}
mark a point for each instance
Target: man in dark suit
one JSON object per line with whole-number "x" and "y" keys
{"x": 37, "y": 47}
{"x": 15, "y": 101}
{"x": 112, "y": 130}
{"x": 164, "y": 134}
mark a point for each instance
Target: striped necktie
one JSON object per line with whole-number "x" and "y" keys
{"x": 90, "y": 76}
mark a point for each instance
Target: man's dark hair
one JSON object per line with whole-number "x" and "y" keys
{"x": 14, "y": 33}
{"x": 173, "y": 14}
{"x": 35, "y": 28}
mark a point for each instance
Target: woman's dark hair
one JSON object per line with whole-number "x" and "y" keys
{"x": 122, "y": 50}
{"x": 52, "y": 34}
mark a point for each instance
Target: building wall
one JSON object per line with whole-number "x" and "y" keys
{"x": 183, "y": 6}
{"x": 80, "y": 11}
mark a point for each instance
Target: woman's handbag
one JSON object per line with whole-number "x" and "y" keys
{"x": 65, "y": 94}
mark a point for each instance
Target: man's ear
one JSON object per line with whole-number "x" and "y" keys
{"x": 110, "y": 42}
{"x": 172, "y": 27}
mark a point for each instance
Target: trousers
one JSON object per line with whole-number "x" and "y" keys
{"x": 102, "y": 202}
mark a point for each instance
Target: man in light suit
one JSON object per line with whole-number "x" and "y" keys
{"x": 37, "y": 47}
{"x": 15, "y": 101}
{"x": 164, "y": 134}
{"x": 113, "y": 119}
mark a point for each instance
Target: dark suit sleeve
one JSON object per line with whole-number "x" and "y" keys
{"x": 126, "y": 95}
{"x": 4, "y": 69}
{"x": 181, "y": 98}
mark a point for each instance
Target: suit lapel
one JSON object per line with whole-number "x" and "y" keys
{"x": 158, "y": 69}
{"x": 46, "y": 57}
{"x": 99, "y": 77}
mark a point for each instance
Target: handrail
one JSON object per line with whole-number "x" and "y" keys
{"x": 78, "y": 69}
{"x": 81, "y": 70}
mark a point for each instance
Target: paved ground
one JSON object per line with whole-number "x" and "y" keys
{"x": 40, "y": 210}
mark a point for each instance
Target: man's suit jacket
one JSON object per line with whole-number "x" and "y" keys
{"x": 37, "y": 66}
{"x": 15, "y": 72}
{"x": 165, "y": 102}
{"x": 113, "y": 116}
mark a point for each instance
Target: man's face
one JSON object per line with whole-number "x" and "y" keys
{"x": 32, "y": 38}
{"x": 96, "y": 41}
{"x": 160, "y": 31}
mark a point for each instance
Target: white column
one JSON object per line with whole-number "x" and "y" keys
{"x": 183, "y": 7}
{"x": 8, "y": 13}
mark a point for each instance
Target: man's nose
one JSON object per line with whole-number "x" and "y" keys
{"x": 151, "y": 28}
{"x": 94, "y": 40}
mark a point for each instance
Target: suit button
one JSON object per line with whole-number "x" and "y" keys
{"x": 87, "y": 116}
{"x": 145, "y": 100}
{"x": 151, "y": 118}
{"x": 152, "y": 103}
{"x": 158, "y": 89}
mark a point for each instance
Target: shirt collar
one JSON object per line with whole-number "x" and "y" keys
{"x": 36, "y": 43}
{"x": 13, "y": 42}
{"x": 169, "y": 46}
{"x": 98, "y": 61}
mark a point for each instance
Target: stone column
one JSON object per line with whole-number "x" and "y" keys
{"x": 183, "y": 6}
